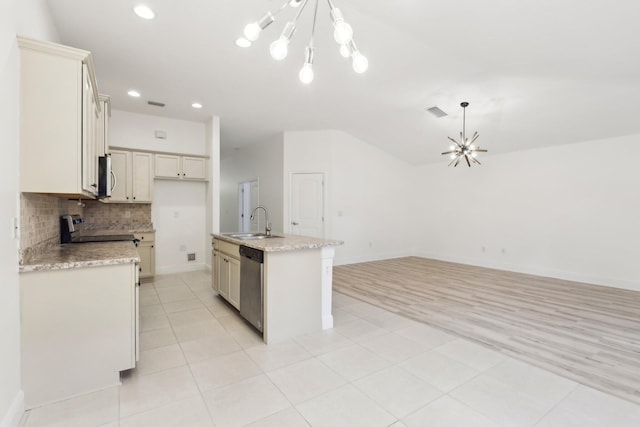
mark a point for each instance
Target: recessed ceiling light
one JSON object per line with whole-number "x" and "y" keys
{"x": 134, "y": 93}
{"x": 243, "y": 42}
{"x": 144, "y": 12}
{"x": 196, "y": 105}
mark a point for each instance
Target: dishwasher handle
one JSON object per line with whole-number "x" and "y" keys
{"x": 253, "y": 254}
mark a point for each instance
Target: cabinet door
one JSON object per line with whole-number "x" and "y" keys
{"x": 120, "y": 179}
{"x": 215, "y": 271}
{"x": 142, "y": 177}
{"x": 103, "y": 126}
{"x": 234, "y": 282}
{"x": 146, "y": 252}
{"x": 89, "y": 134}
{"x": 167, "y": 166}
{"x": 223, "y": 276}
{"x": 194, "y": 168}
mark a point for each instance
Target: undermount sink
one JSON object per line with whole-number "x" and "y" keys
{"x": 250, "y": 236}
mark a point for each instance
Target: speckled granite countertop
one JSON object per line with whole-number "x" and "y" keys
{"x": 288, "y": 242}
{"x": 77, "y": 255}
{"x": 111, "y": 231}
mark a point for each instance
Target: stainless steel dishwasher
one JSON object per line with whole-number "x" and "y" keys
{"x": 251, "y": 285}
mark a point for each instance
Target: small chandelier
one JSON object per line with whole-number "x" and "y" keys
{"x": 464, "y": 148}
{"x": 343, "y": 34}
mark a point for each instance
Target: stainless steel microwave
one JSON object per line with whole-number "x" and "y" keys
{"x": 106, "y": 180}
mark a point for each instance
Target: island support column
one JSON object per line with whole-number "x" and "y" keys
{"x": 327, "y": 286}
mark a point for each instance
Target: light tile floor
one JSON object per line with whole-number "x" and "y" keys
{"x": 201, "y": 365}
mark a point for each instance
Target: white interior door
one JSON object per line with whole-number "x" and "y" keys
{"x": 248, "y": 199}
{"x": 307, "y": 204}
{"x": 254, "y": 201}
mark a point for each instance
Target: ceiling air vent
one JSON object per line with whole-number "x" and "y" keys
{"x": 156, "y": 103}
{"x": 436, "y": 112}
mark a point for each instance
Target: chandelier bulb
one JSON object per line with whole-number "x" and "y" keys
{"x": 342, "y": 32}
{"x": 252, "y": 31}
{"x": 360, "y": 62}
{"x": 345, "y": 51}
{"x": 306, "y": 73}
{"x": 279, "y": 49}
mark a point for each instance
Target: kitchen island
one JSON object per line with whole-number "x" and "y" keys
{"x": 297, "y": 281}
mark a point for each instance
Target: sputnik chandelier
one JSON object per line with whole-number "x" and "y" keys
{"x": 343, "y": 34}
{"x": 464, "y": 148}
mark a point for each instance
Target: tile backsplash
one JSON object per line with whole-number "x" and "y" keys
{"x": 40, "y": 219}
{"x": 116, "y": 215}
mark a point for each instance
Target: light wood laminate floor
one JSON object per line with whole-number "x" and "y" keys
{"x": 587, "y": 333}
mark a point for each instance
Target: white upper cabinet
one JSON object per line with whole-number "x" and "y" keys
{"x": 132, "y": 180}
{"x": 173, "y": 166}
{"x": 103, "y": 125}
{"x": 59, "y": 113}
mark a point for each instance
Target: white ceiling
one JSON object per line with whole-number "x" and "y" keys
{"x": 536, "y": 73}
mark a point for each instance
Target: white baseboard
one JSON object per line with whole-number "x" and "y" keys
{"x": 541, "y": 271}
{"x": 15, "y": 412}
{"x": 185, "y": 268}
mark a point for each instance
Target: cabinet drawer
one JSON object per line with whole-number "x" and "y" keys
{"x": 145, "y": 237}
{"x": 227, "y": 248}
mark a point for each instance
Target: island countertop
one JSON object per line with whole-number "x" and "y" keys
{"x": 76, "y": 255}
{"x": 287, "y": 242}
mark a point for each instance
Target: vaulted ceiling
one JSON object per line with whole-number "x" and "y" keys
{"x": 536, "y": 73}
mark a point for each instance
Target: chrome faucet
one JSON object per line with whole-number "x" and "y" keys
{"x": 267, "y": 226}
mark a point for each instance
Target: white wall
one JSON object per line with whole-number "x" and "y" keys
{"x": 262, "y": 161}
{"x": 213, "y": 189}
{"x": 29, "y": 18}
{"x": 567, "y": 212}
{"x": 366, "y": 192}
{"x": 179, "y": 208}
{"x": 179, "y": 217}
{"x": 133, "y": 130}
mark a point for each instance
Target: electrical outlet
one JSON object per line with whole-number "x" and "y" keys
{"x": 191, "y": 257}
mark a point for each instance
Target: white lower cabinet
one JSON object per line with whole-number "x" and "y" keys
{"x": 226, "y": 271}
{"x": 79, "y": 329}
{"x": 147, "y": 252}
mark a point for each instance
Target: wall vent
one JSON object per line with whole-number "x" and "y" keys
{"x": 436, "y": 112}
{"x": 156, "y": 103}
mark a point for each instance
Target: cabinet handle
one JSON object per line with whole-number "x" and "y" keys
{"x": 295, "y": 223}
{"x": 184, "y": 174}
{"x": 178, "y": 174}
{"x": 152, "y": 246}
{"x": 134, "y": 197}
{"x": 127, "y": 197}
{"x": 94, "y": 185}
{"x": 141, "y": 237}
